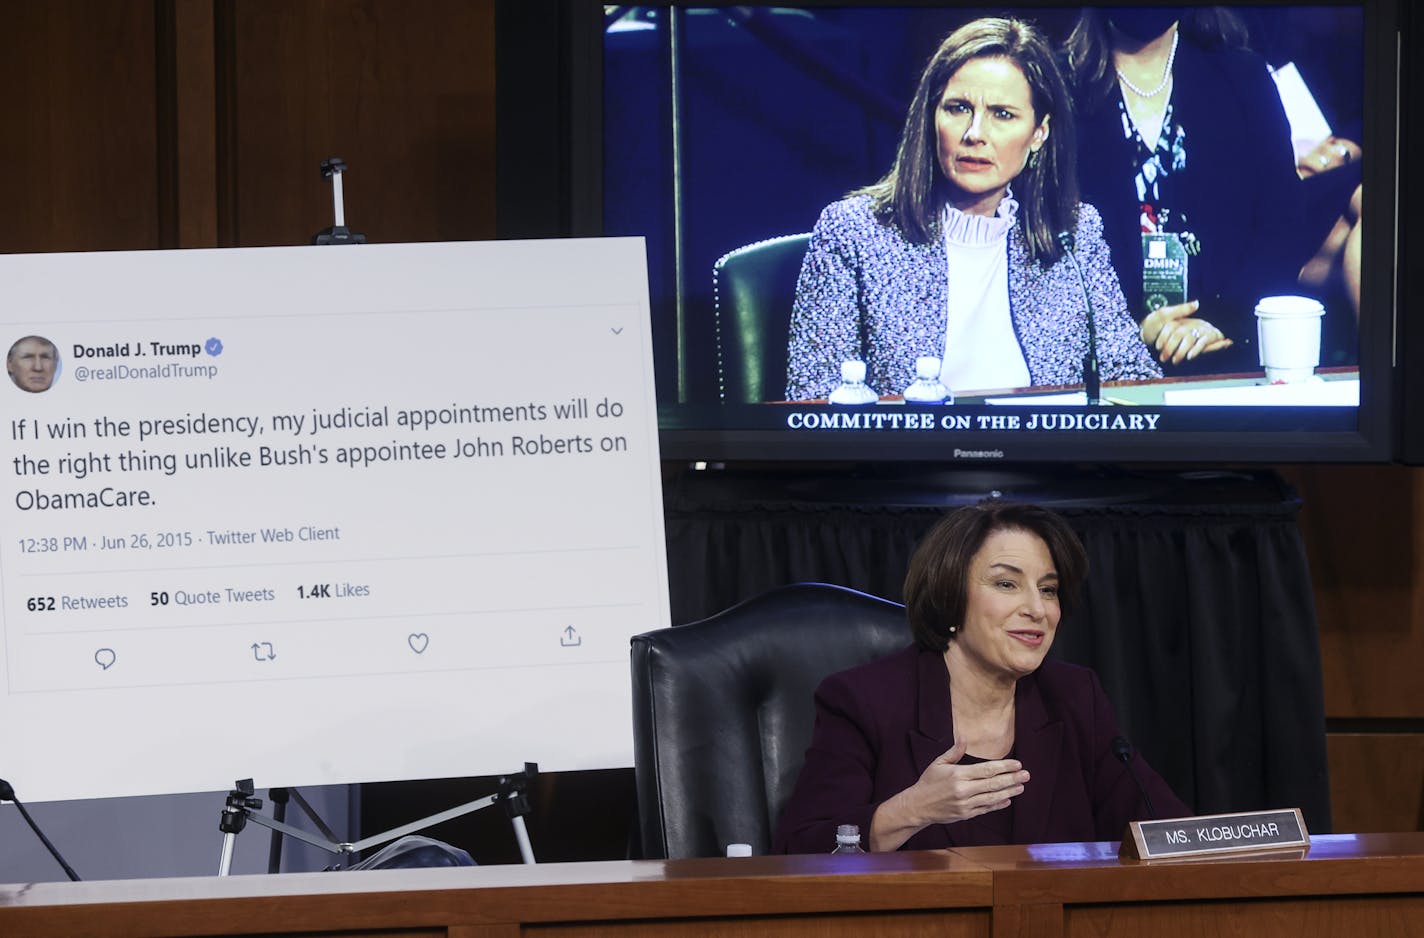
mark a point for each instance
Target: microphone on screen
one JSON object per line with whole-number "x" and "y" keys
{"x": 1092, "y": 381}
{"x": 7, "y": 793}
{"x": 1122, "y": 750}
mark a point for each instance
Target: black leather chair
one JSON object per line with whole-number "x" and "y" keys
{"x": 754, "y": 288}
{"x": 722, "y": 710}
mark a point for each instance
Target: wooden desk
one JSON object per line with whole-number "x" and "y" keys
{"x": 1370, "y": 885}
{"x": 1358, "y": 886}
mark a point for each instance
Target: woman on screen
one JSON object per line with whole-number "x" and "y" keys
{"x": 969, "y": 736}
{"x": 1190, "y": 155}
{"x": 959, "y": 251}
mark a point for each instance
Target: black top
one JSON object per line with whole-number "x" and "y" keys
{"x": 992, "y": 827}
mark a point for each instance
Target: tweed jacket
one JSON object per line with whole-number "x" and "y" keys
{"x": 867, "y": 293}
{"x": 880, "y": 725}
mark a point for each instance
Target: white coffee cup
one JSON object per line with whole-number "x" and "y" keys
{"x": 1288, "y": 332}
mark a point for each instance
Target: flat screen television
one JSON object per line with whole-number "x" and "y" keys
{"x": 720, "y": 133}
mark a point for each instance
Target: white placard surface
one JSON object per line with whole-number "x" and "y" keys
{"x": 1314, "y": 392}
{"x": 322, "y": 515}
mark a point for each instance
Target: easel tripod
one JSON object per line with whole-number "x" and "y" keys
{"x": 241, "y": 807}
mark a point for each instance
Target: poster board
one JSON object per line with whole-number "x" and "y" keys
{"x": 318, "y": 516}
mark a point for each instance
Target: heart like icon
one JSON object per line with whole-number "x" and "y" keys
{"x": 418, "y": 642}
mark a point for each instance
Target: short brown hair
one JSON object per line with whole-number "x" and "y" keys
{"x": 937, "y": 583}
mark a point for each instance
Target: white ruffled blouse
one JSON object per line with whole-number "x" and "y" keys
{"x": 981, "y": 349}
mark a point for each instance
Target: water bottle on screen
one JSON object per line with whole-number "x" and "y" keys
{"x": 848, "y": 839}
{"x": 927, "y": 388}
{"x": 739, "y": 850}
{"x": 853, "y": 389}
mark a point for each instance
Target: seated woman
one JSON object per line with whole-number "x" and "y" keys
{"x": 969, "y": 737}
{"x": 1182, "y": 135}
{"x": 939, "y": 259}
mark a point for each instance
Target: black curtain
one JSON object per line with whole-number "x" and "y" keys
{"x": 1198, "y": 614}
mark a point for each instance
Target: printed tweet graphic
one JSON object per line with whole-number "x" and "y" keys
{"x": 407, "y": 466}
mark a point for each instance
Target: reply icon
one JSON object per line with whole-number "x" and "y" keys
{"x": 105, "y": 658}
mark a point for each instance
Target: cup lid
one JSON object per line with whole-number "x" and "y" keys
{"x": 1281, "y": 306}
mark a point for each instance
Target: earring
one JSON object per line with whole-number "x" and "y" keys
{"x": 1032, "y": 158}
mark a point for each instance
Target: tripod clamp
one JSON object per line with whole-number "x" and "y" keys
{"x": 239, "y": 809}
{"x": 514, "y": 790}
{"x": 239, "y": 803}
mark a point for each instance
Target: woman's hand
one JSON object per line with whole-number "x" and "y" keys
{"x": 1326, "y": 155}
{"x": 1178, "y": 335}
{"x": 946, "y": 792}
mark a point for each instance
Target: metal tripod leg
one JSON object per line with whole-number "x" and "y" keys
{"x": 521, "y": 834}
{"x": 229, "y": 841}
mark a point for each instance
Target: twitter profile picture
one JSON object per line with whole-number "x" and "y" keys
{"x": 33, "y": 363}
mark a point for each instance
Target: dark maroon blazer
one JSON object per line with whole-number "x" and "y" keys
{"x": 880, "y": 725}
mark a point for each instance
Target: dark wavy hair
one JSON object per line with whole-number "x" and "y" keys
{"x": 937, "y": 583}
{"x": 1089, "y": 47}
{"x": 912, "y": 193}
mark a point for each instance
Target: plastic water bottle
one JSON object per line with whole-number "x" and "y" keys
{"x": 848, "y": 839}
{"x": 853, "y": 389}
{"x": 739, "y": 850}
{"x": 926, "y": 388}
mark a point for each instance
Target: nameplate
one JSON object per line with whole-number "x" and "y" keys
{"x": 1214, "y": 834}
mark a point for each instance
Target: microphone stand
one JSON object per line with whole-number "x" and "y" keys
{"x": 1092, "y": 380}
{"x": 1122, "y": 750}
{"x": 7, "y": 793}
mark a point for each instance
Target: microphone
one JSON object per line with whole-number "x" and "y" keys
{"x": 1092, "y": 382}
{"x": 7, "y": 793}
{"x": 1122, "y": 750}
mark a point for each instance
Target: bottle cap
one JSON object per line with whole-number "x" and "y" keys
{"x": 739, "y": 850}
{"x": 927, "y": 366}
{"x": 848, "y": 833}
{"x": 853, "y": 371}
